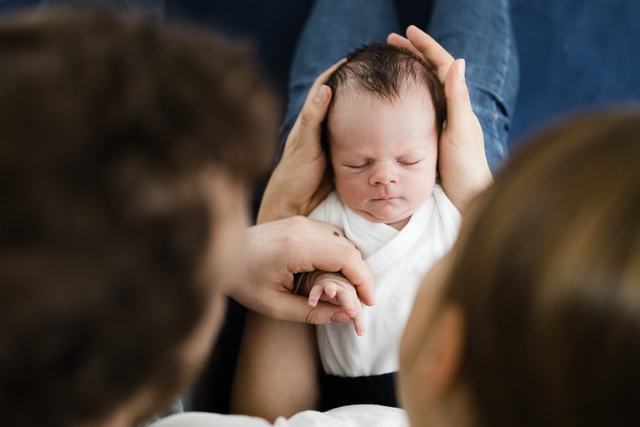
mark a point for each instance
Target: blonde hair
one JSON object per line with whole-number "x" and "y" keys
{"x": 549, "y": 281}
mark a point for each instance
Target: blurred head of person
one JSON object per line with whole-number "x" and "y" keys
{"x": 534, "y": 317}
{"x": 126, "y": 155}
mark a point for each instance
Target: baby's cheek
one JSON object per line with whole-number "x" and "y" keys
{"x": 352, "y": 192}
{"x": 421, "y": 186}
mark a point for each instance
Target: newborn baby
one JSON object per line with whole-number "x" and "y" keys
{"x": 381, "y": 136}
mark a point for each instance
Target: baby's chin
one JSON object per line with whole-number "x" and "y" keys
{"x": 391, "y": 217}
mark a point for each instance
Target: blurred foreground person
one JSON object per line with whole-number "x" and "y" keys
{"x": 533, "y": 318}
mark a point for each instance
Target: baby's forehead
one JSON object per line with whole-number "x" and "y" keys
{"x": 408, "y": 91}
{"x": 352, "y": 101}
{"x": 365, "y": 125}
{"x": 354, "y": 106}
{"x": 370, "y": 150}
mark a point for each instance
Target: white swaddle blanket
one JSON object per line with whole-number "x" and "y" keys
{"x": 398, "y": 261}
{"x": 347, "y": 416}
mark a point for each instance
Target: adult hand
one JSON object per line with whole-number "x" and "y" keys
{"x": 299, "y": 183}
{"x": 276, "y": 250}
{"x": 462, "y": 161}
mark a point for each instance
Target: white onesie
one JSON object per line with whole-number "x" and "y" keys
{"x": 398, "y": 261}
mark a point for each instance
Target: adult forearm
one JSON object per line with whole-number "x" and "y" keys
{"x": 277, "y": 371}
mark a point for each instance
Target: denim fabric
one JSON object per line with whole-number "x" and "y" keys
{"x": 478, "y": 31}
{"x": 576, "y": 55}
{"x": 481, "y": 33}
{"x": 333, "y": 29}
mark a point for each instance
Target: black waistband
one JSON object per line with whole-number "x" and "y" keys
{"x": 342, "y": 391}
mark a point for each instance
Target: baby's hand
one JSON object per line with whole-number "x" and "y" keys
{"x": 336, "y": 289}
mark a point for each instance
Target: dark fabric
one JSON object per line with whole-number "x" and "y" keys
{"x": 575, "y": 55}
{"x": 343, "y": 391}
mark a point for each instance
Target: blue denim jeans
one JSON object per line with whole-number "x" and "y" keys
{"x": 478, "y": 31}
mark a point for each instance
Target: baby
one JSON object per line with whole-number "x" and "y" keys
{"x": 381, "y": 136}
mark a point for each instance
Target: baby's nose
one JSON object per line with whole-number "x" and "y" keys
{"x": 383, "y": 174}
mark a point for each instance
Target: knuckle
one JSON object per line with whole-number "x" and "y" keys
{"x": 350, "y": 253}
{"x": 314, "y": 317}
{"x": 298, "y": 222}
{"x": 307, "y": 115}
{"x": 295, "y": 231}
{"x": 291, "y": 241}
{"x": 463, "y": 94}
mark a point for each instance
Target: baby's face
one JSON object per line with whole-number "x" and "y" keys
{"x": 384, "y": 154}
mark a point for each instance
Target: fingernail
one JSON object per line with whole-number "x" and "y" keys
{"x": 360, "y": 332}
{"x": 339, "y": 317}
{"x": 321, "y": 97}
{"x": 460, "y": 71}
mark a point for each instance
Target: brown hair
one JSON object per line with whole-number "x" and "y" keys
{"x": 108, "y": 123}
{"x": 384, "y": 70}
{"x": 549, "y": 280}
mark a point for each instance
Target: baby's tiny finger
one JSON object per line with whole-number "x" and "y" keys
{"x": 315, "y": 294}
{"x": 346, "y": 302}
{"x": 330, "y": 289}
{"x": 358, "y": 323}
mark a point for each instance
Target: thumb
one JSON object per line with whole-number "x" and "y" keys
{"x": 325, "y": 312}
{"x": 296, "y": 308}
{"x": 313, "y": 114}
{"x": 458, "y": 100}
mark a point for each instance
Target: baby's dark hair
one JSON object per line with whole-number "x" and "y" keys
{"x": 384, "y": 71}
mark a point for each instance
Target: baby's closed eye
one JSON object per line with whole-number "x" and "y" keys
{"x": 357, "y": 165}
{"x": 408, "y": 162}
